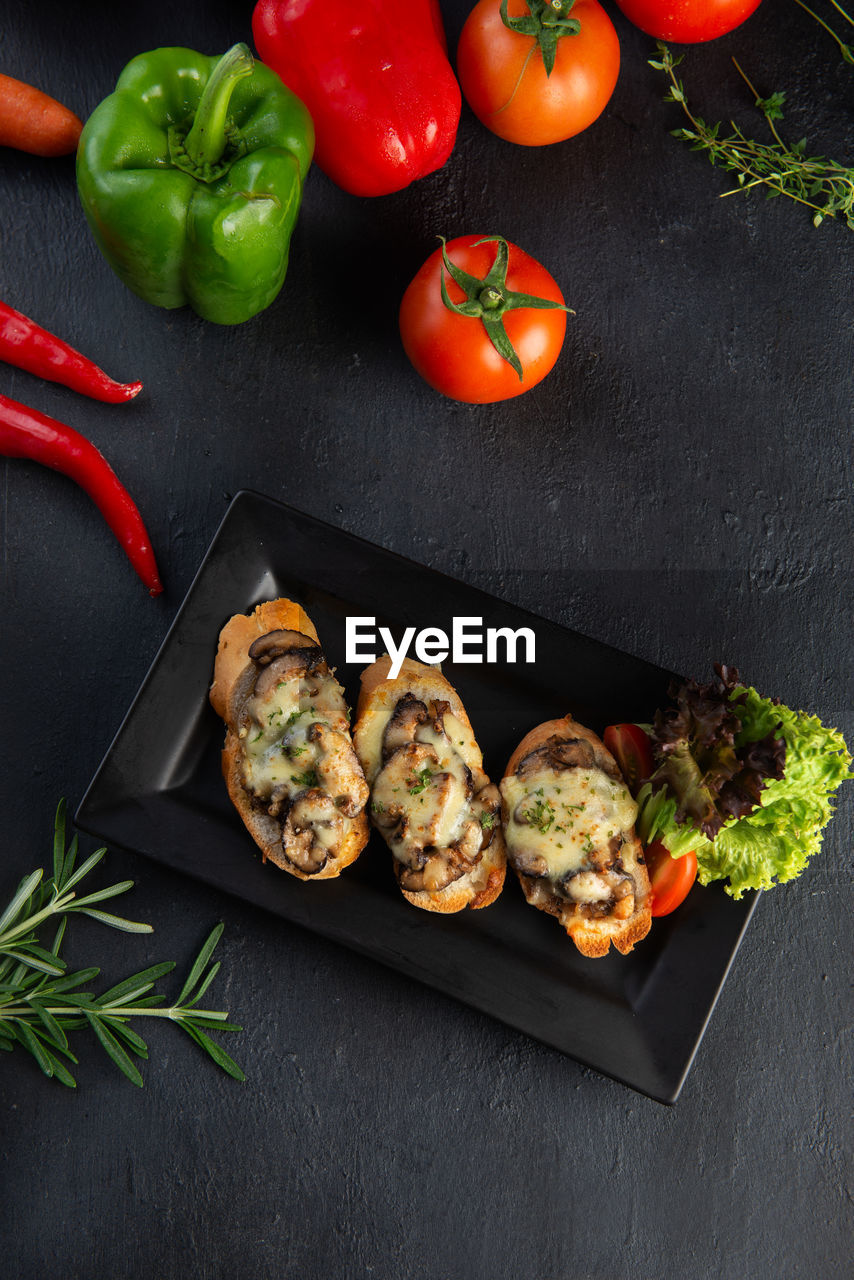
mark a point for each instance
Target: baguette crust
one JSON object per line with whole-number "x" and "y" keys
{"x": 593, "y": 935}
{"x": 378, "y": 700}
{"x": 235, "y": 676}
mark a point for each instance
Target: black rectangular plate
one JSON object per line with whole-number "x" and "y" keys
{"x": 159, "y": 792}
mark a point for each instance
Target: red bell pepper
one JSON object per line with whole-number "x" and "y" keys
{"x": 376, "y": 79}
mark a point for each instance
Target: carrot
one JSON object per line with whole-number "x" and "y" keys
{"x": 31, "y": 121}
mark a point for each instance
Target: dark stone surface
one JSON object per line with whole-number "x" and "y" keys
{"x": 680, "y": 487}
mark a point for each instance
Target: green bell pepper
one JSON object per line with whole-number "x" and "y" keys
{"x": 191, "y": 176}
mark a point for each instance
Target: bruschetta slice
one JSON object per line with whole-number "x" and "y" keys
{"x": 430, "y": 797}
{"x": 288, "y": 760}
{"x": 569, "y": 827}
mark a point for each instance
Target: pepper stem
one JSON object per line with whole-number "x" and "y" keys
{"x": 206, "y": 140}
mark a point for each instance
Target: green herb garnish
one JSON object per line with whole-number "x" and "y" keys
{"x": 844, "y": 49}
{"x": 541, "y": 814}
{"x": 783, "y": 169}
{"x": 40, "y": 1001}
{"x": 420, "y": 781}
{"x": 487, "y": 821}
{"x": 307, "y": 779}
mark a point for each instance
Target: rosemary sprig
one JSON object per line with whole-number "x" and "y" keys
{"x": 822, "y": 185}
{"x": 40, "y": 1001}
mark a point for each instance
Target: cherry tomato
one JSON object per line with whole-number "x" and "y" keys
{"x": 631, "y": 749}
{"x": 503, "y": 75}
{"x": 687, "y": 21}
{"x": 671, "y": 878}
{"x": 453, "y": 352}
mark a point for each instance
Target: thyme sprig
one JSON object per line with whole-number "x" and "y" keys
{"x": 784, "y": 169}
{"x": 40, "y": 1001}
{"x": 844, "y": 49}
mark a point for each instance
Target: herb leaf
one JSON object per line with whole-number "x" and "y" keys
{"x": 40, "y": 1002}
{"x": 822, "y": 185}
{"x": 420, "y": 780}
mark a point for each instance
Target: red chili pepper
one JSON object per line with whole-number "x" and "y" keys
{"x": 26, "y": 433}
{"x": 26, "y": 345}
{"x": 376, "y": 78}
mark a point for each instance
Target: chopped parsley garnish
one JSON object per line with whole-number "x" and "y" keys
{"x": 271, "y": 717}
{"x": 420, "y": 781}
{"x": 377, "y": 806}
{"x": 308, "y": 779}
{"x": 540, "y": 815}
{"x": 487, "y": 821}
{"x": 259, "y": 734}
{"x": 293, "y": 752}
{"x": 587, "y": 847}
{"x": 294, "y": 716}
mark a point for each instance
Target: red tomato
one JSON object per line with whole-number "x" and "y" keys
{"x": 631, "y": 749}
{"x": 671, "y": 878}
{"x": 687, "y": 21}
{"x": 504, "y": 79}
{"x": 453, "y": 352}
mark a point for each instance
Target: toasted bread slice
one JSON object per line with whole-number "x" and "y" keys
{"x": 430, "y": 797}
{"x": 288, "y": 761}
{"x": 569, "y": 828}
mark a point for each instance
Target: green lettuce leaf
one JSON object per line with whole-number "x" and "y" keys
{"x": 774, "y": 841}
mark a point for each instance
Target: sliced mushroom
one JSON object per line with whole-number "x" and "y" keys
{"x": 566, "y": 753}
{"x": 277, "y": 644}
{"x": 487, "y": 810}
{"x": 395, "y": 779}
{"x": 408, "y": 715}
{"x": 607, "y": 858}
{"x": 524, "y": 812}
{"x": 528, "y": 863}
{"x": 309, "y": 830}
{"x": 436, "y": 872}
{"x": 610, "y": 892}
{"x": 563, "y": 753}
{"x": 469, "y": 845}
{"x": 437, "y": 714}
{"x": 338, "y": 769}
{"x": 588, "y": 886}
{"x": 278, "y": 798}
{"x": 283, "y": 655}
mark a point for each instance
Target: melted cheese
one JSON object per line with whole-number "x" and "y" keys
{"x": 565, "y": 817}
{"x": 433, "y": 797}
{"x": 276, "y": 748}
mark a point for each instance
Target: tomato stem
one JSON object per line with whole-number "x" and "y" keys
{"x": 547, "y": 22}
{"x": 489, "y": 299}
